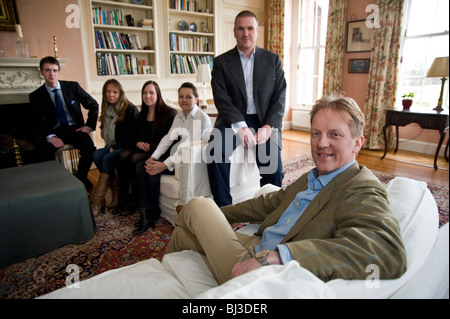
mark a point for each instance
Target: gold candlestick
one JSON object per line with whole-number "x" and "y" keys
{"x": 17, "y": 154}
{"x": 55, "y": 48}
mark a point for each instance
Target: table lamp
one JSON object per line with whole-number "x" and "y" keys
{"x": 439, "y": 68}
{"x": 204, "y": 76}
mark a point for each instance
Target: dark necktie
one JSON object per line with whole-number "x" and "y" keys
{"x": 60, "y": 109}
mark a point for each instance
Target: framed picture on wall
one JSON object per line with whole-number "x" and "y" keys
{"x": 358, "y": 65}
{"x": 359, "y": 36}
{"x": 8, "y": 15}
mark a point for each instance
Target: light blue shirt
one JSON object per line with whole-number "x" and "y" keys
{"x": 248, "y": 65}
{"x": 272, "y": 236}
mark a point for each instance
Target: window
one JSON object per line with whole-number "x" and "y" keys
{"x": 426, "y": 37}
{"x": 310, "y": 33}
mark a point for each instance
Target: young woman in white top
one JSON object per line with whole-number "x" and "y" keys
{"x": 191, "y": 123}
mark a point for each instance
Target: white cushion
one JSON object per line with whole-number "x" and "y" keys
{"x": 145, "y": 280}
{"x": 268, "y": 188}
{"x": 432, "y": 280}
{"x": 189, "y": 268}
{"x": 243, "y": 166}
{"x": 416, "y": 210}
{"x": 275, "y": 281}
{"x": 170, "y": 186}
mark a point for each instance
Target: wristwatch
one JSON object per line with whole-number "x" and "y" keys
{"x": 262, "y": 257}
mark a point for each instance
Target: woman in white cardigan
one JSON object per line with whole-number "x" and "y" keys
{"x": 191, "y": 123}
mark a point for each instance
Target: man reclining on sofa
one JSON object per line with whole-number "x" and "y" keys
{"x": 334, "y": 221}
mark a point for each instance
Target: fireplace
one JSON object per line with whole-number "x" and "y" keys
{"x": 18, "y": 78}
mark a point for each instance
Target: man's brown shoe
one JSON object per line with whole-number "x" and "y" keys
{"x": 179, "y": 208}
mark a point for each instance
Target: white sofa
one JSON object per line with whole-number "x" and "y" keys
{"x": 191, "y": 178}
{"x": 186, "y": 275}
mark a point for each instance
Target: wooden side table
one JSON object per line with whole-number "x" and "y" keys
{"x": 427, "y": 120}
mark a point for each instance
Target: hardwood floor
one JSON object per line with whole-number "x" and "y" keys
{"x": 406, "y": 164}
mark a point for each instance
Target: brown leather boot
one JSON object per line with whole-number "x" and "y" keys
{"x": 115, "y": 193}
{"x": 98, "y": 202}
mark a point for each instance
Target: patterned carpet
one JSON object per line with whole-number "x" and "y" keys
{"x": 113, "y": 246}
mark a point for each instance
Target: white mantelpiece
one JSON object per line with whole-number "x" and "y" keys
{"x": 18, "y": 78}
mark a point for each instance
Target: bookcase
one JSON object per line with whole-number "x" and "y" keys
{"x": 124, "y": 37}
{"x": 191, "y": 34}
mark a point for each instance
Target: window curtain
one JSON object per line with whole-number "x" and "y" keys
{"x": 335, "y": 45}
{"x": 383, "y": 71}
{"x": 275, "y": 32}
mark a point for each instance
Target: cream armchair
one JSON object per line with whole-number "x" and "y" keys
{"x": 191, "y": 178}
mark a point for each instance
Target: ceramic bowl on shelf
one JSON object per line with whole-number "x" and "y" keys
{"x": 183, "y": 25}
{"x": 140, "y": 2}
{"x": 193, "y": 27}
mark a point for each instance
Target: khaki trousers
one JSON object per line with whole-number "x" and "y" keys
{"x": 202, "y": 227}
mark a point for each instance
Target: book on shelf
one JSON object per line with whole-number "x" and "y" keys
{"x": 113, "y": 17}
{"x": 188, "y": 64}
{"x": 119, "y": 64}
{"x": 116, "y": 40}
{"x": 185, "y": 5}
{"x": 191, "y": 43}
{"x": 145, "y": 23}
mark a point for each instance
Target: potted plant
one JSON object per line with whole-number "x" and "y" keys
{"x": 407, "y": 101}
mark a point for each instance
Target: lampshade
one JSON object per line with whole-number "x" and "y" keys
{"x": 203, "y": 73}
{"x": 439, "y": 68}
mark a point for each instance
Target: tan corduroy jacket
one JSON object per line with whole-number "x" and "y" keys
{"x": 347, "y": 227}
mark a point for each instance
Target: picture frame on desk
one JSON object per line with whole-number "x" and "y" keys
{"x": 8, "y": 15}
{"x": 359, "y": 36}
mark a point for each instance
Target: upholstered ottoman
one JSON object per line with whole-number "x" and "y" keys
{"x": 42, "y": 207}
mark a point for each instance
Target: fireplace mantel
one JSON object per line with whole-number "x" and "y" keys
{"x": 18, "y": 78}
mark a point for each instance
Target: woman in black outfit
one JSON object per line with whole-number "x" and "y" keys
{"x": 154, "y": 121}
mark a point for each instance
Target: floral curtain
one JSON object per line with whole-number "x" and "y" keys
{"x": 383, "y": 71}
{"x": 275, "y": 32}
{"x": 334, "y": 51}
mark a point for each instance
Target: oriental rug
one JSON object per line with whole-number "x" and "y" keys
{"x": 114, "y": 246}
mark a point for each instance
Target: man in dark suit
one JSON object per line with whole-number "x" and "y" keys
{"x": 249, "y": 91}
{"x": 57, "y": 106}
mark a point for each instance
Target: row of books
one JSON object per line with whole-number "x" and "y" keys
{"x": 188, "y": 64}
{"x": 119, "y": 64}
{"x": 193, "y": 44}
{"x": 185, "y": 5}
{"x": 114, "y": 17}
{"x": 116, "y": 40}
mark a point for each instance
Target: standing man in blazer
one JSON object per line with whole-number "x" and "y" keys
{"x": 249, "y": 91}
{"x": 57, "y": 105}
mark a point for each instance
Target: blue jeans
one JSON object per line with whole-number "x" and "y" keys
{"x": 106, "y": 160}
{"x": 268, "y": 159}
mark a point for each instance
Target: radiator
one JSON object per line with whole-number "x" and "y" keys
{"x": 300, "y": 120}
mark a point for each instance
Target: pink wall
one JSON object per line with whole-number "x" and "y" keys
{"x": 40, "y": 21}
{"x": 354, "y": 85}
